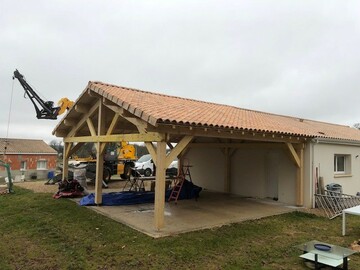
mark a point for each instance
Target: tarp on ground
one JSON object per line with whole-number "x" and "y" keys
{"x": 188, "y": 191}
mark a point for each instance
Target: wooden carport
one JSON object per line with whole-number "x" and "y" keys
{"x": 106, "y": 113}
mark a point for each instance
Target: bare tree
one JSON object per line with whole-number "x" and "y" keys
{"x": 57, "y": 146}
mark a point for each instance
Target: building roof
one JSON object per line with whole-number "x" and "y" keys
{"x": 25, "y": 146}
{"x": 159, "y": 108}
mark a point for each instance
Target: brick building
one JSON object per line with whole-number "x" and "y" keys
{"x": 29, "y": 159}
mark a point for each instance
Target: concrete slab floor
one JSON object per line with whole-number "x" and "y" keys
{"x": 209, "y": 211}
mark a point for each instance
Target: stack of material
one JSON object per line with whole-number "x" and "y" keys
{"x": 333, "y": 203}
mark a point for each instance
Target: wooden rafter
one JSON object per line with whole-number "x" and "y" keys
{"x": 140, "y": 124}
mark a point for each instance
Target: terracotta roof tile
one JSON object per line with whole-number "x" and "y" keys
{"x": 171, "y": 109}
{"x": 22, "y": 146}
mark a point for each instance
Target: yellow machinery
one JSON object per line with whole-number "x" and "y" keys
{"x": 115, "y": 163}
{"x": 64, "y": 104}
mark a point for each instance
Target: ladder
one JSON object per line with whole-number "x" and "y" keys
{"x": 179, "y": 182}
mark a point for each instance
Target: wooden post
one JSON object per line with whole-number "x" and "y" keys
{"x": 160, "y": 185}
{"x": 65, "y": 170}
{"x": 298, "y": 159}
{"x": 99, "y": 156}
{"x": 300, "y": 179}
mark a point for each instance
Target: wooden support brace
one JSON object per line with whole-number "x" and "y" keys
{"x": 152, "y": 151}
{"x": 294, "y": 155}
{"x": 80, "y": 123}
{"x": 91, "y": 127}
{"x": 177, "y": 150}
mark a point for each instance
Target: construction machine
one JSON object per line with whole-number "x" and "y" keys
{"x": 44, "y": 109}
{"x": 116, "y": 162}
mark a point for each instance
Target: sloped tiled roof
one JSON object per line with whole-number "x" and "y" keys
{"x": 159, "y": 108}
{"x": 25, "y": 146}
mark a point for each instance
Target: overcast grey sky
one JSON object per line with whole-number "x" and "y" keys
{"x": 297, "y": 58}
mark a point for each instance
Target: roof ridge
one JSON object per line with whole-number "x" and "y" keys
{"x": 213, "y": 103}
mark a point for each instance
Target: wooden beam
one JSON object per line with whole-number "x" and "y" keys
{"x": 140, "y": 124}
{"x": 294, "y": 155}
{"x": 91, "y": 127}
{"x": 75, "y": 148}
{"x": 115, "y": 108}
{"x": 110, "y": 129}
{"x": 152, "y": 150}
{"x": 69, "y": 122}
{"x": 226, "y": 134}
{"x": 82, "y": 121}
{"x": 113, "y": 124}
{"x": 177, "y": 150}
{"x": 159, "y": 206}
{"x": 148, "y": 137}
{"x": 81, "y": 108}
{"x": 237, "y": 145}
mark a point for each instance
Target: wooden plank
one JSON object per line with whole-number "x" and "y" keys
{"x": 148, "y": 137}
{"x": 177, "y": 150}
{"x": 294, "y": 155}
{"x": 159, "y": 206}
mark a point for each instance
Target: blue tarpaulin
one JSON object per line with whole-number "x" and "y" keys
{"x": 188, "y": 191}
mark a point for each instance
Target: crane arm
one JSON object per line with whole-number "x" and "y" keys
{"x": 44, "y": 109}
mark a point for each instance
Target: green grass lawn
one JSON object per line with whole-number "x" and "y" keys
{"x": 39, "y": 232}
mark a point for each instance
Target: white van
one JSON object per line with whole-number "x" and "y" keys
{"x": 145, "y": 166}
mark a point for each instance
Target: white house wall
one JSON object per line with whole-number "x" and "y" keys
{"x": 308, "y": 176}
{"x": 207, "y": 168}
{"x": 259, "y": 172}
{"x": 324, "y": 161}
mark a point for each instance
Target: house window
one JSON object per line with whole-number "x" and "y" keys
{"x": 41, "y": 164}
{"x": 342, "y": 164}
{"x": 23, "y": 166}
